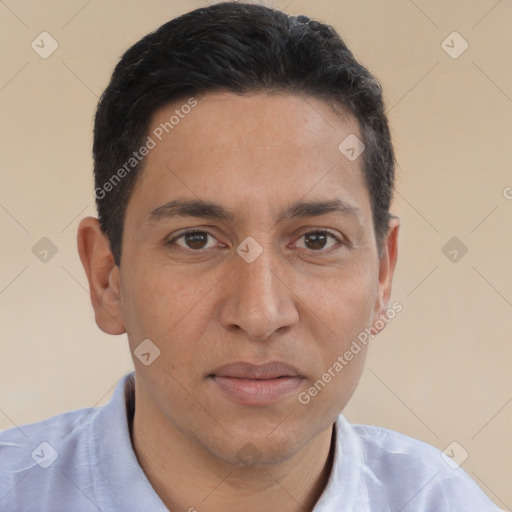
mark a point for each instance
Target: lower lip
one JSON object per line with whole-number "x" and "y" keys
{"x": 257, "y": 391}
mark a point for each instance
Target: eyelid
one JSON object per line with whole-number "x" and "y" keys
{"x": 329, "y": 231}
{"x": 190, "y": 231}
{"x": 340, "y": 239}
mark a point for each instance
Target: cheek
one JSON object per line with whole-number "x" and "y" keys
{"x": 345, "y": 301}
{"x": 338, "y": 354}
{"x": 158, "y": 303}
{"x": 339, "y": 311}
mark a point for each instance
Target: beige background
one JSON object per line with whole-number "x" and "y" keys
{"x": 441, "y": 371}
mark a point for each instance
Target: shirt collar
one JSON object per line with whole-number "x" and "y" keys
{"x": 121, "y": 483}
{"x": 119, "y": 479}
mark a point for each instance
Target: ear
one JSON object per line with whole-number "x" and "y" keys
{"x": 387, "y": 265}
{"x": 103, "y": 276}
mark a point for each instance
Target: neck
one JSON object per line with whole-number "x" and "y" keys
{"x": 188, "y": 478}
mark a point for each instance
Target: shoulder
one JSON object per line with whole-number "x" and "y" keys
{"x": 62, "y": 429}
{"x": 417, "y": 476}
{"x": 32, "y": 456}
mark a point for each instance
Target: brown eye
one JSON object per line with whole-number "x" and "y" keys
{"x": 318, "y": 240}
{"x": 315, "y": 240}
{"x": 194, "y": 240}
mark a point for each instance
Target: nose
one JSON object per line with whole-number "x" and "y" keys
{"x": 258, "y": 299}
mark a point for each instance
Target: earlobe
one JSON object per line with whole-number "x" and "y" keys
{"x": 387, "y": 265}
{"x": 102, "y": 274}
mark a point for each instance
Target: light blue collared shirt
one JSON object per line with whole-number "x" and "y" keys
{"x": 83, "y": 461}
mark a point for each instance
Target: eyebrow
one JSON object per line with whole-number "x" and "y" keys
{"x": 210, "y": 210}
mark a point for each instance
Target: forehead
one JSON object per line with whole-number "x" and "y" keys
{"x": 246, "y": 150}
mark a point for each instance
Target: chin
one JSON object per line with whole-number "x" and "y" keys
{"x": 260, "y": 447}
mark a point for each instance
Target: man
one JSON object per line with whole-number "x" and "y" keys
{"x": 243, "y": 177}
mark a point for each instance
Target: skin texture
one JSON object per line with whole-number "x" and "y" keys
{"x": 302, "y": 301}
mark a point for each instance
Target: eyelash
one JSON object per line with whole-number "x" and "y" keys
{"x": 312, "y": 232}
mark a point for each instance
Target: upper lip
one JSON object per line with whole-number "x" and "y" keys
{"x": 243, "y": 370}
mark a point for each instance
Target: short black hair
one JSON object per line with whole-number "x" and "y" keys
{"x": 240, "y": 48}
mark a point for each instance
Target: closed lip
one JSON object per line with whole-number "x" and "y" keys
{"x": 266, "y": 371}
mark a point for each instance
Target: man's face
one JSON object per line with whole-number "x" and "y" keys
{"x": 287, "y": 296}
